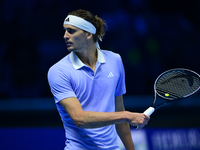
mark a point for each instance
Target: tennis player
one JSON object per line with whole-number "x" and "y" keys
{"x": 88, "y": 86}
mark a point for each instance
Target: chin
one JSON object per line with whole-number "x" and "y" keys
{"x": 70, "y": 49}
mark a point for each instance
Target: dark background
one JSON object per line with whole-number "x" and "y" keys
{"x": 150, "y": 35}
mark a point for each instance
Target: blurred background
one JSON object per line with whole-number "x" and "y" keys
{"x": 150, "y": 35}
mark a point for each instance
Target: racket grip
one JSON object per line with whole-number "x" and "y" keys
{"x": 149, "y": 111}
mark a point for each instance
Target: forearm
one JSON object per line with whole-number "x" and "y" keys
{"x": 124, "y": 133}
{"x": 90, "y": 119}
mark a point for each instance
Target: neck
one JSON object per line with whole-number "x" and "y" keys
{"x": 89, "y": 57}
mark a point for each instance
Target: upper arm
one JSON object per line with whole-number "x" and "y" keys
{"x": 119, "y": 104}
{"x": 72, "y": 106}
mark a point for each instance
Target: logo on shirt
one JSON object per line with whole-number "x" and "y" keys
{"x": 110, "y": 75}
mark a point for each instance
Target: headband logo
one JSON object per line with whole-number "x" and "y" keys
{"x": 67, "y": 19}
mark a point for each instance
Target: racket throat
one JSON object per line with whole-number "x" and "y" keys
{"x": 154, "y": 101}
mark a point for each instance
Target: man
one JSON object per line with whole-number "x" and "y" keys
{"x": 88, "y": 85}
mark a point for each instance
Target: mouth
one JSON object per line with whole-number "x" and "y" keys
{"x": 68, "y": 44}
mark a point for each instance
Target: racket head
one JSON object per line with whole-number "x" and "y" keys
{"x": 177, "y": 84}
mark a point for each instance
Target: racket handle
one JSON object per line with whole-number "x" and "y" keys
{"x": 147, "y": 112}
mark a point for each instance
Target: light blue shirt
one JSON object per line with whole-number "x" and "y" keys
{"x": 96, "y": 91}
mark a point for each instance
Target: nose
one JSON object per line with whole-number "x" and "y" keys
{"x": 66, "y": 35}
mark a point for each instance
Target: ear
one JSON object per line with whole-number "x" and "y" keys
{"x": 89, "y": 35}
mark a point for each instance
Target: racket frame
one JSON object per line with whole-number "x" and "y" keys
{"x": 151, "y": 109}
{"x": 165, "y": 98}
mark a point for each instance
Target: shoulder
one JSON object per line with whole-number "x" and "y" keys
{"x": 113, "y": 59}
{"x": 60, "y": 68}
{"x": 61, "y": 64}
{"x": 110, "y": 54}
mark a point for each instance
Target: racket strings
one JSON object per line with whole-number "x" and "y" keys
{"x": 172, "y": 95}
{"x": 177, "y": 85}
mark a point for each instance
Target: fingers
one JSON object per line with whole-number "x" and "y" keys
{"x": 147, "y": 118}
{"x": 143, "y": 121}
{"x": 139, "y": 119}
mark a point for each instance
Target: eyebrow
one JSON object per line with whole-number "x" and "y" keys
{"x": 74, "y": 28}
{"x": 68, "y": 28}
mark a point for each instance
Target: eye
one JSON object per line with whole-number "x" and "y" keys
{"x": 71, "y": 31}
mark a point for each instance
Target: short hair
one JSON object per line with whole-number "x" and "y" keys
{"x": 99, "y": 23}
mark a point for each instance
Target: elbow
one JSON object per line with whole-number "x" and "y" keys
{"x": 79, "y": 122}
{"x": 82, "y": 123}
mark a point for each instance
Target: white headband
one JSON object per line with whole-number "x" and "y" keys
{"x": 80, "y": 23}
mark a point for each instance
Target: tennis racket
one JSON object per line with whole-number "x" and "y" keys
{"x": 174, "y": 85}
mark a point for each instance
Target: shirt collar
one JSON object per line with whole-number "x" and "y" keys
{"x": 77, "y": 63}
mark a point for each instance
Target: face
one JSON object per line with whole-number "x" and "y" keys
{"x": 75, "y": 38}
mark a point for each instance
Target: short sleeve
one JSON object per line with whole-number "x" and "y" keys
{"x": 121, "y": 87}
{"x": 60, "y": 84}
